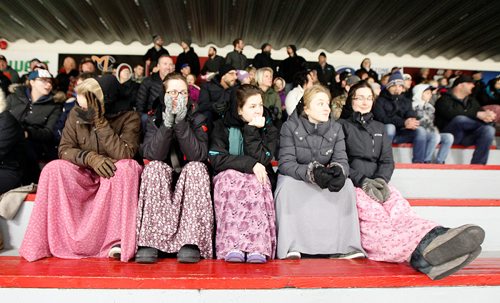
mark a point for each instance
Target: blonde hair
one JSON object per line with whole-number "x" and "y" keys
{"x": 312, "y": 91}
{"x": 259, "y": 75}
{"x": 90, "y": 85}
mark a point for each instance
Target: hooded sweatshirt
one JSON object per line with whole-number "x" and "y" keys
{"x": 424, "y": 110}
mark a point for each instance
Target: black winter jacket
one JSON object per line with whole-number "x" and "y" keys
{"x": 449, "y": 106}
{"x": 38, "y": 118}
{"x": 259, "y": 145}
{"x": 368, "y": 149}
{"x": 188, "y": 138}
{"x": 290, "y": 66}
{"x": 302, "y": 142}
{"x": 393, "y": 109}
{"x": 213, "y": 92}
{"x": 150, "y": 94}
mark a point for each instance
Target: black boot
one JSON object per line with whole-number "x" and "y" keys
{"x": 146, "y": 255}
{"x": 189, "y": 253}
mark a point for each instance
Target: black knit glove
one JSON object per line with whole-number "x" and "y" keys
{"x": 322, "y": 176}
{"x": 337, "y": 180}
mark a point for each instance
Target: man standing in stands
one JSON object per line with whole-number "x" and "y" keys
{"x": 189, "y": 57}
{"x": 154, "y": 53}
{"x": 213, "y": 63}
{"x": 264, "y": 58}
{"x": 326, "y": 72}
{"x": 236, "y": 58}
{"x": 458, "y": 113}
{"x": 87, "y": 65}
{"x": 215, "y": 95}
{"x": 151, "y": 92}
{"x": 291, "y": 65}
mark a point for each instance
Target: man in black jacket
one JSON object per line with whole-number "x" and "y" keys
{"x": 154, "y": 53}
{"x": 213, "y": 63}
{"x": 215, "y": 96}
{"x": 326, "y": 72}
{"x": 401, "y": 125}
{"x": 188, "y": 56}
{"x": 264, "y": 58}
{"x": 458, "y": 113}
{"x": 151, "y": 90}
{"x": 291, "y": 66}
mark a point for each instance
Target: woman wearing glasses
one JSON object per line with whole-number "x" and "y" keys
{"x": 390, "y": 230}
{"x": 175, "y": 210}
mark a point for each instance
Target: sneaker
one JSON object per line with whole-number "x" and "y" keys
{"x": 293, "y": 255}
{"x": 189, "y": 253}
{"x": 350, "y": 255}
{"x": 256, "y": 258}
{"x": 235, "y": 256}
{"x": 115, "y": 252}
{"x": 146, "y": 255}
{"x": 453, "y": 243}
{"x": 451, "y": 267}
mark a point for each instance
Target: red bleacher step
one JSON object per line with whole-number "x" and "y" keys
{"x": 217, "y": 274}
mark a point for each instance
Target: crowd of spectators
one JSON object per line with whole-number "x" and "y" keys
{"x": 330, "y": 132}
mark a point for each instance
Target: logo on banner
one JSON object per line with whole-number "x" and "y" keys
{"x": 104, "y": 63}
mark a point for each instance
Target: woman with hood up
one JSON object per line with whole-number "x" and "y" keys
{"x": 86, "y": 201}
{"x": 243, "y": 145}
{"x": 422, "y": 94}
{"x": 390, "y": 229}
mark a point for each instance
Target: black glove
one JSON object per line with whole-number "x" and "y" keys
{"x": 337, "y": 178}
{"x": 321, "y": 176}
{"x": 220, "y": 107}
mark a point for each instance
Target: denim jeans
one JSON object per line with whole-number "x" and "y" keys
{"x": 419, "y": 137}
{"x": 446, "y": 141}
{"x": 468, "y": 131}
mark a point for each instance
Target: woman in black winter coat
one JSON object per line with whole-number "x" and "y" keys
{"x": 242, "y": 147}
{"x": 11, "y": 149}
{"x": 175, "y": 209}
{"x": 390, "y": 230}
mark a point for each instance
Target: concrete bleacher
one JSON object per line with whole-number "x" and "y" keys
{"x": 449, "y": 194}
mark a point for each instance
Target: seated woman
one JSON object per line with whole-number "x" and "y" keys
{"x": 315, "y": 202}
{"x": 241, "y": 151}
{"x": 175, "y": 212}
{"x": 272, "y": 101}
{"x": 34, "y": 107}
{"x": 390, "y": 230}
{"x": 87, "y": 201}
{"x": 11, "y": 149}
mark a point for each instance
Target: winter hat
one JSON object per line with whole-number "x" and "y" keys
{"x": 90, "y": 85}
{"x": 242, "y": 75}
{"x": 2, "y": 57}
{"x": 407, "y": 77}
{"x": 351, "y": 80}
{"x": 224, "y": 69}
{"x": 39, "y": 73}
{"x": 395, "y": 79}
{"x": 122, "y": 67}
{"x": 462, "y": 79}
{"x": 184, "y": 65}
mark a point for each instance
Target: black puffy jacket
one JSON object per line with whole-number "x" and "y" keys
{"x": 188, "y": 138}
{"x": 393, "y": 109}
{"x": 150, "y": 94}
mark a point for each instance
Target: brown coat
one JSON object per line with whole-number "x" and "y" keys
{"x": 118, "y": 139}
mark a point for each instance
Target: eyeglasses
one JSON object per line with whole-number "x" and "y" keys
{"x": 175, "y": 93}
{"x": 363, "y": 98}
